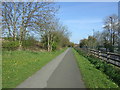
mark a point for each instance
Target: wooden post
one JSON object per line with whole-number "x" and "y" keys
{"x": 108, "y": 56}
{"x": 99, "y": 55}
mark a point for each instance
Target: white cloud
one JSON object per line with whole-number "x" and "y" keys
{"x": 83, "y": 21}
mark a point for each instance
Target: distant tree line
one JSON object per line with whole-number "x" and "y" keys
{"x": 108, "y": 39}
{"x": 22, "y": 22}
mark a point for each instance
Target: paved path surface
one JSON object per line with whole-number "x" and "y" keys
{"x": 62, "y": 72}
{"x": 67, "y": 74}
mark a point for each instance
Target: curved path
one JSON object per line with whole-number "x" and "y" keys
{"x": 62, "y": 72}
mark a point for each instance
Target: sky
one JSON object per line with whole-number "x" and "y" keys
{"x": 82, "y": 18}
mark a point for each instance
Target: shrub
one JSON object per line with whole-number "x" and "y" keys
{"x": 27, "y": 43}
{"x": 13, "y": 45}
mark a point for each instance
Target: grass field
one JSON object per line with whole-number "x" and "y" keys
{"x": 19, "y": 65}
{"x": 92, "y": 77}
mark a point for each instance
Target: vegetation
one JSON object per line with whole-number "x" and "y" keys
{"x": 29, "y": 29}
{"x": 27, "y": 23}
{"x": 108, "y": 39}
{"x": 88, "y": 43}
{"x": 55, "y": 39}
{"x": 111, "y": 71}
{"x": 19, "y": 65}
{"x": 93, "y": 78}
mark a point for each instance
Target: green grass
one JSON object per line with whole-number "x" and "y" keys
{"x": 92, "y": 77}
{"x": 19, "y": 65}
{"x": 0, "y": 70}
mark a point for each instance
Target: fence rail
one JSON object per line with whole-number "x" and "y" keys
{"x": 109, "y": 57}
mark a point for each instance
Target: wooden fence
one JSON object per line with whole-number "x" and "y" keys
{"x": 109, "y": 57}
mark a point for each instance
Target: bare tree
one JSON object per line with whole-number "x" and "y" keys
{"x": 22, "y": 17}
{"x": 110, "y": 25}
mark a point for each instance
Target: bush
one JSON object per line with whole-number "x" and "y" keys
{"x": 112, "y": 71}
{"x": 28, "y": 43}
{"x": 8, "y": 38}
{"x": 13, "y": 45}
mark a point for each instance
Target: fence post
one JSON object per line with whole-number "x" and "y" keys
{"x": 108, "y": 57}
{"x": 99, "y": 55}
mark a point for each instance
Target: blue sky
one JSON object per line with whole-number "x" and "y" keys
{"x": 82, "y": 17}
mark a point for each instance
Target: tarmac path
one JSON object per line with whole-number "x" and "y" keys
{"x": 67, "y": 74}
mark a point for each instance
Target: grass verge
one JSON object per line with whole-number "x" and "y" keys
{"x": 19, "y": 65}
{"x": 92, "y": 77}
{"x": 110, "y": 70}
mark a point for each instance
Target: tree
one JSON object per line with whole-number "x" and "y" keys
{"x": 25, "y": 18}
{"x": 9, "y": 18}
{"x": 58, "y": 37}
{"x": 83, "y": 43}
{"x": 111, "y": 26}
{"x": 90, "y": 42}
{"x": 22, "y": 17}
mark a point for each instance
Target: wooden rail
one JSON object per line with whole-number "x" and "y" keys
{"x": 109, "y": 57}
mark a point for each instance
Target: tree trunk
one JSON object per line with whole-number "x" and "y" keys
{"x": 51, "y": 41}
{"x": 22, "y": 27}
{"x": 14, "y": 33}
{"x": 14, "y": 23}
{"x": 20, "y": 38}
{"x": 48, "y": 43}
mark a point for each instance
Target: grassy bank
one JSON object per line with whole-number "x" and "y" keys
{"x": 19, "y": 65}
{"x": 92, "y": 77}
{"x": 110, "y": 70}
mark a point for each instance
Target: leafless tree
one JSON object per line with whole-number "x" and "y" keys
{"x": 22, "y": 17}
